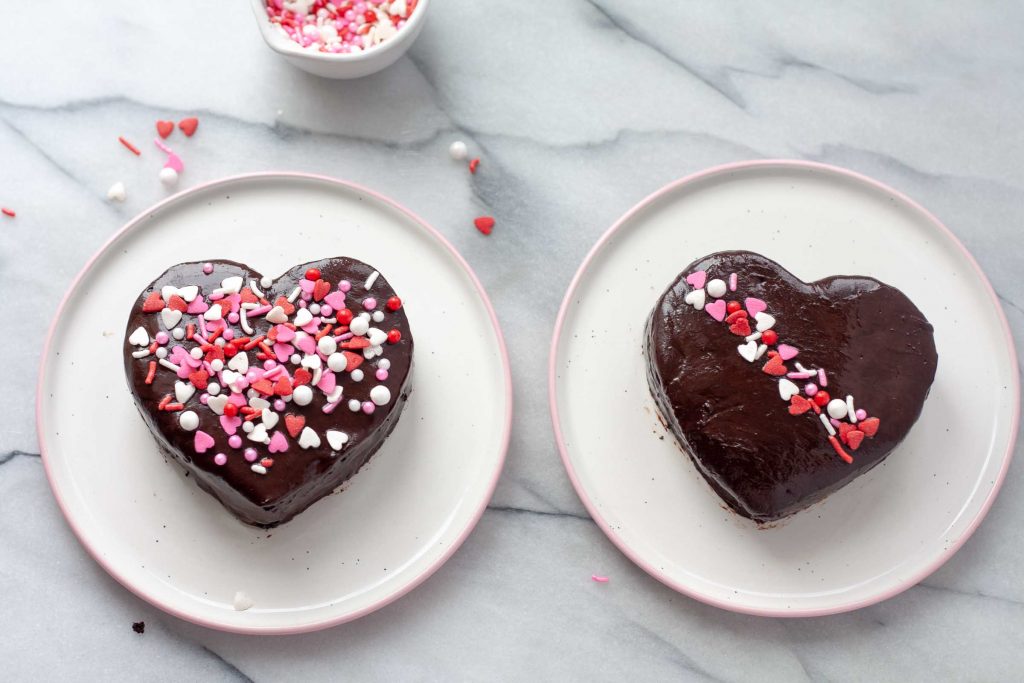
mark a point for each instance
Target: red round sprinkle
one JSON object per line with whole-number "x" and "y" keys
{"x": 822, "y": 398}
{"x": 313, "y": 274}
{"x": 344, "y": 316}
{"x": 267, "y": 462}
{"x": 732, "y": 306}
{"x": 230, "y": 409}
{"x": 769, "y": 337}
{"x": 370, "y": 16}
{"x": 394, "y": 336}
{"x": 394, "y": 303}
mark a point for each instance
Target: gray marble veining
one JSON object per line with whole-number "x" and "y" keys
{"x": 579, "y": 109}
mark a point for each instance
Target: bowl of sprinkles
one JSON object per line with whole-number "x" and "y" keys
{"x": 340, "y": 39}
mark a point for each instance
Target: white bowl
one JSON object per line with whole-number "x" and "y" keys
{"x": 331, "y": 65}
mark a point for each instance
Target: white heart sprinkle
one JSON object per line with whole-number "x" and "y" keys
{"x": 217, "y": 403}
{"x": 270, "y": 418}
{"x": 117, "y": 193}
{"x": 232, "y": 285}
{"x": 303, "y": 317}
{"x": 167, "y": 291}
{"x": 309, "y": 439}
{"x": 312, "y": 362}
{"x": 239, "y": 363}
{"x": 139, "y": 337}
{"x": 170, "y": 317}
{"x": 183, "y": 391}
{"x": 760, "y": 351}
{"x": 229, "y": 377}
{"x": 259, "y": 403}
{"x": 259, "y": 434}
{"x": 696, "y": 298}
{"x": 787, "y": 389}
{"x": 336, "y": 439}
{"x": 748, "y": 351}
{"x": 335, "y": 395}
{"x": 376, "y": 337}
{"x": 214, "y": 312}
{"x": 277, "y": 316}
{"x": 189, "y": 293}
{"x": 764, "y": 321}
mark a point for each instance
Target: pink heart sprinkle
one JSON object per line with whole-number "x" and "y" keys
{"x": 184, "y": 371}
{"x": 283, "y": 351}
{"x": 716, "y": 309}
{"x": 755, "y": 306}
{"x": 697, "y": 279}
{"x": 278, "y": 444}
{"x": 306, "y": 285}
{"x": 327, "y": 382}
{"x": 197, "y": 306}
{"x": 285, "y": 333}
{"x": 230, "y": 424}
{"x": 335, "y": 300}
{"x": 307, "y": 344}
{"x": 313, "y": 327}
{"x": 203, "y": 442}
{"x": 238, "y": 400}
{"x": 236, "y": 302}
{"x": 786, "y": 351}
{"x": 178, "y": 355}
{"x": 174, "y": 161}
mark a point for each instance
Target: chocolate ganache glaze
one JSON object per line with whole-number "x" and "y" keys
{"x": 318, "y": 394}
{"x": 752, "y": 368}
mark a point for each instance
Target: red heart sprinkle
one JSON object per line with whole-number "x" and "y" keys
{"x": 356, "y": 343}
{"x": 484, "y": 224}
{"x": 321, "y": 289}
{"x": 854, "y": 438}
{"x": 740, "y": 327}
{"x": 264, "y": 386}
{"x": 301, "y": 376}
{"x": 734, "y": 315}
{"x": 294, "y": 424}
{"x": 869, "y": 426}
{"x": 215, "y": 353}
{"x": 164, "y": 128}
{"x": 285, "y": 305}
{"x": 844, "y": 430}
{"x": 354, "y": 360}
{"x": 248, "y": 297}
{"x": 798, "y": 405}
{"x": 176, "y": 303}
{"x": 153, "y": 303}
{"x": 199, "y": 379}
{"x": 774, "y": 366}
{"x": 283, "y": 387}
{"x": 188, "y": 126}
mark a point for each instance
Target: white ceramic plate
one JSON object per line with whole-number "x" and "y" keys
{"x": 396, "y": 522}
{"x": 878, "y": 536}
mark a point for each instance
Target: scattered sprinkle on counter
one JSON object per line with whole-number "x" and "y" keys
{"x": 131, "y": 148}
{"x": 484, "y": 224}
{"x": 8, "y": 212}
{"x": 598, "y": 578}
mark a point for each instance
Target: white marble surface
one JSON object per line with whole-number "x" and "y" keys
{"x": 579, "y": 108}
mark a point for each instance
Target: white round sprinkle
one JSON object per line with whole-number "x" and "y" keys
{"x": 219, "y": 341}
{"x": 217, "y": 364}
{"x": 168, "y": 176}
{"x": 247, "y": 427}
{"x": 188, "y": 420}
{"x": 384, "y": 364}
{"x": 378, "y": 316}
{"x": 196, "y": 353}
{"x": 357, "y": 375}
{"x": 302, "y": 395}
{"x": 380, "y": 395}
{"x": 458, "y": 150}
{"x": 336, "y": 362}
{"x": 213, "y": 388}
{"x": 353, "y": 405}
{"x": 265, "y": 282}
{"x": 327, "y": 345}
{"x": 295, "y": 359}
{"x": 314, "y": 308}
{"x": 161, "y": 352}
{"x": 178, "y": 333}
{"x": 717, "y": 288}
{"x": 359, "y": 326}
{"x": 837, "y": 408}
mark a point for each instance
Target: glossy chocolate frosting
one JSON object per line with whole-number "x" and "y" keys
{"x": 728, "y": 414}
{"x": 299, "y": 476}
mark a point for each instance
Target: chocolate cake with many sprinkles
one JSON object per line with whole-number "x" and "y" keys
{"x": 270, "y": 392}
{"x": 784, "y": 391}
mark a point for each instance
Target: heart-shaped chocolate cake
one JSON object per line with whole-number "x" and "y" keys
{"x": 784, "y": 391}
{"x": 270, "y": 392}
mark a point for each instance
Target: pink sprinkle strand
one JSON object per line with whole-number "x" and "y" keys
{"x": 599, "y": 579}
{"x": 822, "y": 380}
{"x": 732, "y": 282}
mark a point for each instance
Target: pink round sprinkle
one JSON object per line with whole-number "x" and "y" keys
{"x": 220, "y": 459}
{"x": 370, "y": 303}
{"x": 344, "y": 285}
{"x": 229, "y": 334}
{"x": 810, "y": 388}
{"x": 250, "y": 454}
{"x": 862, "y": 414}
{"x": 382, "y": 374}
{"x": 368, "y": 407}
{"x": 207, "y": 268}
{"x": 305, "y": 297}
{"x": 204, "y": 398}
{"x": 235, "y": 441}
{"x": 269, "y": 364}
{"x": 326, "y": 310}
{"x": 161, "y": 338}
{"x": 233, "y": 318}
{"x": 279, "y": 405}
{"x": 251, "y": 376}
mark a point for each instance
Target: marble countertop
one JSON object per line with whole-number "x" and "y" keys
{"x": 578, "y": 109}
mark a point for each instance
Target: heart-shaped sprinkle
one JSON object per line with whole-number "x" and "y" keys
{"x": 303, "y": 317}
{"x": 230, "y": 423}
{"x": 309, "y": 439}
{"x": 697, "y": 279}
{"x": 283, "y": 387}
{"x": 764, "y": 321}
{"x": 259, "y": 434}
{"x": 294, "y": 424}
{"x": 335, "y": 300}
{"x": 716, "y": 309}
{"x": 696, "y": 298}
{"x": 774, "y": 366}
{"x": 217, "y": 403}
{"x": 854, "y": 439}
{"x": 869, "y": 426}
{"x": 787, "y": 351}
{"x": 277, "y": 315}
{"x": 278, "y": 444}
{"x": 748, "y": 351}
{"x": 139, "y": 337}
{"x": 184, "y": 391}
{"x": 270, "y": 418}
{"x": 188, "y": 125}
{"x": 240, "y": 363}
{"x": 484, "y": 224}
{"x": 741, "y": 326}
{"x": 336, "y": 439}
{"x": 196, "y": 307}
{"x": 787, "y": 389}
{"x": 354, "y": 361}
{"x": 320, "y": 289}
{"x": 215, "y": 312}
{"x": 170, "y": 317}
{"x": 199, "y": 379}
{"x": 164, "y": 128}
{"x": 301, "y": 376}
{"x": 202, "y": 441}
{"x": 153, "y": 303}
{"x": 798, "y": 405}
{"x": 754, "y": 305}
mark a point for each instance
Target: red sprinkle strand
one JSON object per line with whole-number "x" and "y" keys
{"x": 473, "y": 165}
{"x": 839, "y": 449}
{"x": 8, "y": 212}
{"x": 152, "y": 372}
{"x": 132, "y": 148}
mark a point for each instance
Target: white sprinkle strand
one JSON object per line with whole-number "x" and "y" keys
{"x": 370, "y": 280}
{"x": 243, "y": 319}
{"x": 258, "y": 469}
{"x": 141, "y": 353}
{"x": 851, "y": 413}
{"x": 169, "y": 365}
{"x": 294, "y": 295}
{"x": 828, "y": 425}
{"x": 255, "y": 289}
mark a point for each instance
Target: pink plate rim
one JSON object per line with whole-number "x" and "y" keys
{"x": 327, "y": 623}
{"x": 608, "y": 528}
